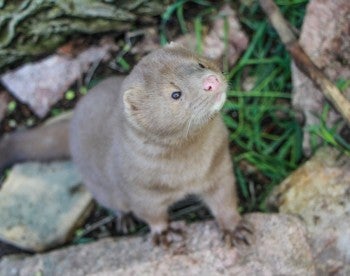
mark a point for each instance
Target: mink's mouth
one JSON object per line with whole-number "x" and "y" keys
{"x": 219, "y": 100}
{"x": 207, "y": 103}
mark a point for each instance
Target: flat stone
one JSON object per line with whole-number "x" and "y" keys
{"x": 319, "y": 192}
{"x": 43, "y": 83}
{"x": 280, "y": 248}
{"x": 41, "y": 205}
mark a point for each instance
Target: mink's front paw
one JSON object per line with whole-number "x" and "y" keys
{"x": 168, "y": 236}
{"x": 242, "y": 234}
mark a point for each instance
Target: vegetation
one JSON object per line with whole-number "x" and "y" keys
{"x": 262, "y": 123}
{"x": 266, "y": 138}
{"x": 32, "y": 28}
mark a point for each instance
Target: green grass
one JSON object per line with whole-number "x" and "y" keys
{"x": 264, "y": 134}
{"x": 262, "y": 124}
{"x": 328, "y": 135}
{"x": 263, "y": 129}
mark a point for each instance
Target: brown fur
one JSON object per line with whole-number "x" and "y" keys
{"x": 45, "y": 143}
{"x": 139, "y": 150}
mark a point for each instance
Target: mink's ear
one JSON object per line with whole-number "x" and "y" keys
{"x": 132, "y": 100}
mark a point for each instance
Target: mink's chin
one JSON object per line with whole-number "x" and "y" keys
{"x": 220, "y": 99}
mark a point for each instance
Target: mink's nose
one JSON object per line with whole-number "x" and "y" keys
{"x": 211, "y": 83}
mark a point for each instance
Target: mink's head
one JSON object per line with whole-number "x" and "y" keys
{"x": 173, "y": 92}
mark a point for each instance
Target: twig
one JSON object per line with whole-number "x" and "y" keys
{"x": 96, "y": 225}
{"x": 303, "y": 62}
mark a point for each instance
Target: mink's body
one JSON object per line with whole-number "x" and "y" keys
{"x": 145, "y": 144}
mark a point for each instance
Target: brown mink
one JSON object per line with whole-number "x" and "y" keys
{"x": 157, "y": 138}
{"x": 147, "y": 141}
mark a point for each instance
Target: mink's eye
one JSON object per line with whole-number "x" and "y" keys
{"x": 176, "y": 95}
{"x": 201, "y": 65}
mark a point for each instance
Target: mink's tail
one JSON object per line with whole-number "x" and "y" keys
{"x": 44, "y": 143}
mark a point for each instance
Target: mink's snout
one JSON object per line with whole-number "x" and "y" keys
{"x": 211, "y": 83}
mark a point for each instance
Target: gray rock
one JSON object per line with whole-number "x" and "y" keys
{"x": 319, "y": 192}
{"x": 43, "y": 83}
{"x": 41, "y": 204}
{"x": 280, "y": 248}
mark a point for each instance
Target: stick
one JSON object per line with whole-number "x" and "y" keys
{"x": 303, "y": 62}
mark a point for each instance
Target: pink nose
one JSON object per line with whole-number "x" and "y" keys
{"x": 211, "y": 83}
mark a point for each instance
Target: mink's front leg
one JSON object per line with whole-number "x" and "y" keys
{"x": 222, "y": 201}
{"x": 163, "y": 233}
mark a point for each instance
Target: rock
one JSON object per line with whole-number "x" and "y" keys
{"x": 325, "y": 37}
{"x": 319, "y": 192}
{"x": 41, "y": 205}
{"x": 214, "y": 44}
{"x": 42, "y": 84}
{"x": 148, "y": 43}
{"x": 280, "y": 248}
